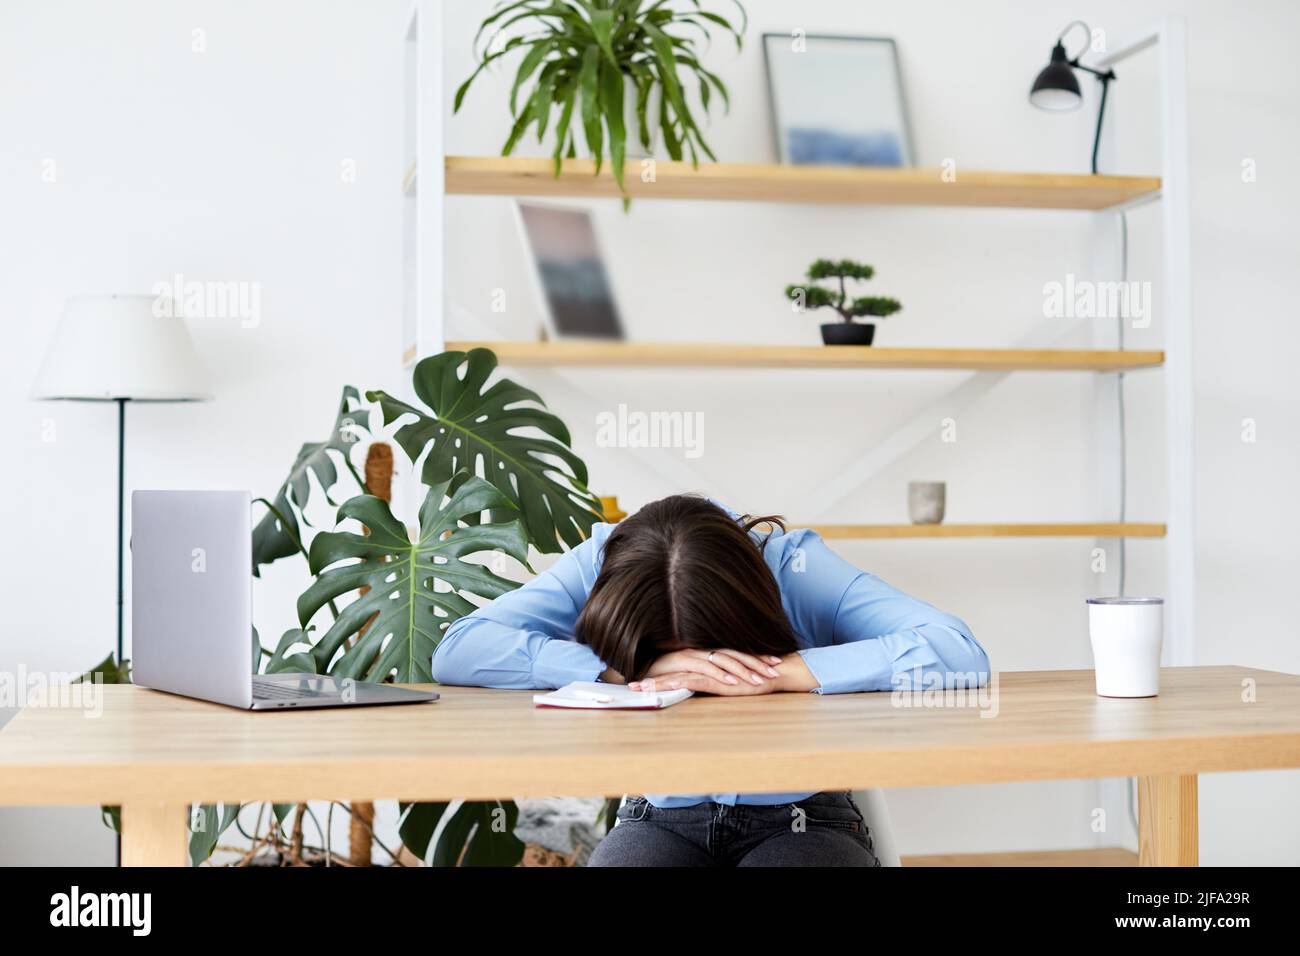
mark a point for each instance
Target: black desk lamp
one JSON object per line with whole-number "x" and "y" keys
{"x": 1057, "y": 88}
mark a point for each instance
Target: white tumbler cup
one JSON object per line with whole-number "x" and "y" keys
{"x": 1126, "y": 635}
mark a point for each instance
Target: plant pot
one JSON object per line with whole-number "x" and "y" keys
{"x": 634, "y": 149}
{"x": 847, "y": 333}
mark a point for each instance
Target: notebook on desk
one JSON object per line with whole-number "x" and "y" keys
{"x": 590, "y": 695}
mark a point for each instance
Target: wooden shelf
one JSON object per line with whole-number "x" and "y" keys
{"x": 692, "y": 355}
{"x": 512, "y": 176}
{"x": 1085, "y": 530}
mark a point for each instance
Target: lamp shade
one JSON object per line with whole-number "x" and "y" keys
{"x": 1057, "y": 88}
{"x": 110, "y": 347}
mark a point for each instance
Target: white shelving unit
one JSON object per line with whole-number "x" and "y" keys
{"x": 422, "y": 182}
{"x": 431, "y": 175}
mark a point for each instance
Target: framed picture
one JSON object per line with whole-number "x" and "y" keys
{"x": 837, "y": 100}
{"x": 577, "y": 297}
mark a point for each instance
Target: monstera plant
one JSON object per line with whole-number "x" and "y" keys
{"x": 277, "y": 534}
{"x": 402, "y": 610}
{"x": 499, "y": 477}
{"x": 467, "y": 424}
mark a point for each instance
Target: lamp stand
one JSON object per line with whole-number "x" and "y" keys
{"x": 121, "y": 535}
{"x": 1105, "y": 78}
{"x": 121, "y": 516}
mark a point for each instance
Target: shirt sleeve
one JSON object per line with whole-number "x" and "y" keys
{"x": 525, "y": 638}
{"x": 867, "y": 635}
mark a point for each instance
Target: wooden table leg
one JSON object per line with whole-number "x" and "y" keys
{"x": 155, "y": 834}
{"x": 1167, "y": 821}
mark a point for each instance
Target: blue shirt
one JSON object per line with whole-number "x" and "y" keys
{"x": 855, "y": 633}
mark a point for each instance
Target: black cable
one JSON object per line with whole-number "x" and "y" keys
{"x": 1130, "y": 784}
{"x": 1123, "y": 428}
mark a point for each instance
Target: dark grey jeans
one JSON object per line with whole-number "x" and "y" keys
{"x": 825, "y": 829}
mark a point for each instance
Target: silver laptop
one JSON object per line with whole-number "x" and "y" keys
{"x": 192, "y": 609}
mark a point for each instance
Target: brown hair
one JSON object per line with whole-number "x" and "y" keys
{"x": 681, "y": 573}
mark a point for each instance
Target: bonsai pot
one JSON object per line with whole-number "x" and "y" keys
{"x": 847, "y": 333}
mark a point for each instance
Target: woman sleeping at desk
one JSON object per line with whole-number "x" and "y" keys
{"x": 687, "y": 594}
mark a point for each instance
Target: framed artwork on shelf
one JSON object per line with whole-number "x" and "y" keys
{"x": 837, "y": 100}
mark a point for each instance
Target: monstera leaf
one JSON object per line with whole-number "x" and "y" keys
{"x": 107, "y": 671}
{"x": 418, "y": 823}
{"x": 315, "y": 457}
{"x": 467, "y": 426}
{"x": 297, "y": 662}
{"x": 276, "y": 535}
{"x": 206, "y": 826}
{"x": 416, "y": 587}
{"x": 478, "y": 833}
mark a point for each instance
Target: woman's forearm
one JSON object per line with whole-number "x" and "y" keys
{"x": 794, "y": 675}
{"x": 479, "y": 652}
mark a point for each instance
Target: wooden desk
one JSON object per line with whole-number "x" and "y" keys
{"x": 154, "y": 754}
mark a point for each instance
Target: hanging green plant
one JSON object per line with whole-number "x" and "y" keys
{"x": 619, "y": 70}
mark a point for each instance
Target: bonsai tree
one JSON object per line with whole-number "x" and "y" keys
{"x": 810, "y": 296}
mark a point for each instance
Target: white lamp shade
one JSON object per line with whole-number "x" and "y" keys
{"x": 1057, "y": 101}
{"x": 121, "y": 346}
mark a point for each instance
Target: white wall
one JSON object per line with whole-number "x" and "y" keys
{"x": 222, "y": 165}
{"x": 226, "y": 165}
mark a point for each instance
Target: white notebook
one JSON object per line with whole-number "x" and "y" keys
{"x": 588, "y": 695}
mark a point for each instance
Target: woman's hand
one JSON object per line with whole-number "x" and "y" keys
{"x": 792, "y": 674}
{"x": 704, "y": 684}
{"x": 721, "y": 665}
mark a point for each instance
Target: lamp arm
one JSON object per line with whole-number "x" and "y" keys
{"x": 1075, "y": 60}
{"x": 1070, "y": 26}
{"x": 1059, "y": 54}
{"x": 1105, "y": 76}
{"x": 1100, "y": 74}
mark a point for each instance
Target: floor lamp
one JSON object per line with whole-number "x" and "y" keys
{"x": 121, "y": 348}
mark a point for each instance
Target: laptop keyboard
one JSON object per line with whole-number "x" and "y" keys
{"x": 271, "y": 691}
